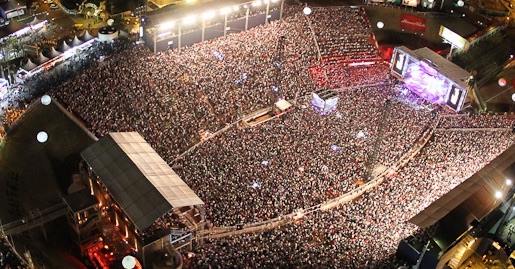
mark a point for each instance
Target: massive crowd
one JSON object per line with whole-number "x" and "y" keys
{"x": 295, "y": 161}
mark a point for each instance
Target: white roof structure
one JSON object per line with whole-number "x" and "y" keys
{"x": 138, "y": 179}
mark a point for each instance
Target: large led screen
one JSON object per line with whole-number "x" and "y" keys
{"x": 426, "y": 82}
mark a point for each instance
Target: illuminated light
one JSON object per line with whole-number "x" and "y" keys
{"x": 257, "y": 3}
{"x": 508, "y": 182}
{"x": 164, "y": 34}
{"x": 380, "y": 24}
{"x": 166, "y": 25}
{"x": 208, "y": 15}
{"x": 513, "y": 97}
{"x": 46, "y": 100}
{"x": 42, "y": 137}
{"x": 225, "y": 10}
{"x": 498, "y": 194}
{"x": 307, "y": 11}
{"x": 460, "y": 3}
{"x": 128, "y": 262}
{"x": 189, "y": 20}
{"x": 502, "y": 82}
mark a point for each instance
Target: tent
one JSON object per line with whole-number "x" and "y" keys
{"x": 87, "y": 36}
{"x": 64, "y": 46}
{"x": 54, "y": 53}
{"x": 29, "y": 65}
{"x": 76, "y": 41}
{"x": 42, "y": 58}
{"x": 35, "y": 21}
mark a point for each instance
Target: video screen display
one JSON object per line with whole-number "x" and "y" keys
{"x": 456, "y": 97}
{"x": 427, "y": 82}
{"x": 398, "y": 62}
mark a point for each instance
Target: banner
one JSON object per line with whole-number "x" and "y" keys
{"x": 413, "y": 23}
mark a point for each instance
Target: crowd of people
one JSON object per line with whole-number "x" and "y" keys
{"x": 366, "y": 232}
{"x": 298, "y": 160}
{"x": 347, "y": 48}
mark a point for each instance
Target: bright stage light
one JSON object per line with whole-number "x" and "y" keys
{"x": 508, "y": 182}
{"x": 257, "y": 3}
{"x": 166, "y": 25}
{"x": 208, "y": 15}
{"x": 46, "y": 100}
{"x": 225, "y": 10}
{"x": 42, "y": 137}
{"x": 307, "y": 11}
{"x": 513, "y": 97}
{"x": 380, "y": 24}
{"x": 129, "y": 262}
{"x": 461, "y": 3}
{"x": 189, "y": 20}
{"x": 502, "y": 82}
{"x": 498, "y": 195}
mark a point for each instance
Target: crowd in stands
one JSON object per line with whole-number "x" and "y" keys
{"x": 295, "y": 161}
{"x": 366, "y": 232}
{"x": 345, "y": 39}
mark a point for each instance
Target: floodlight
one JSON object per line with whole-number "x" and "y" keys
{"x": 380, "y": 24}
{"x": 307, "y": 11}
{"x": 225, "y": 10}
{"x": 257, "y": 3}
{"x": 208, "y": 15}
{"x": 46, "y": 100}
{"x": 189, "y": 20}
{"x": 42, "y": 137}
{"x": 508, "y": 182}
{"x": 502, "y": 82}
{"x": 166, "y": 25}
{"x": 129, "y": 262}
{"x": 498, "y": 195}
{"x": 460, "y": 3}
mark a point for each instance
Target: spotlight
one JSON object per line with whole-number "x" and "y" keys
{"x": 307, "y": 11}
{"x": 498, "y": 195}
{"x": 380, "y": 24}
{"x": 42, "y": 137}
{"x": 508, "y": 182}
{"x": 46, "y": 100}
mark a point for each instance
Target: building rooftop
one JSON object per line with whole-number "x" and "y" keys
{"x": 137, "y": 178}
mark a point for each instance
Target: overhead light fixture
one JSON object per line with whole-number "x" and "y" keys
{"x": 307, "y": 11}
{"x": 189, "y": 20}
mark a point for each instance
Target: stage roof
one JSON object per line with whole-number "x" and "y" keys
{"x": 138, "y": 179}
{"x": 446, "y": 67}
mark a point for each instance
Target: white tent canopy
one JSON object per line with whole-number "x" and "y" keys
{"x": 76, "y": 41}
{"x": 64, "y": 46}
{"x": 29, "y": 65}
{"x": 87, "y": 36}
{"x": 54, "y": 53}
{"x": 42, "y": 58}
